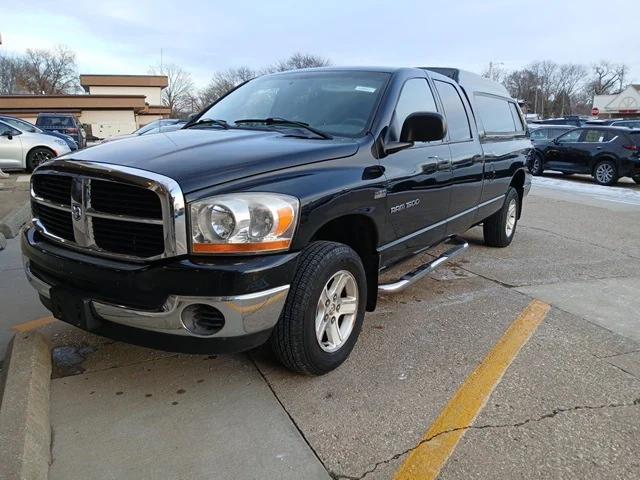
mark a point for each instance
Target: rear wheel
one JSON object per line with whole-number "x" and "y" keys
{"x": 324, "y": 311}
{"x": 535, "y": 166}
{"x": 38, "y": 156}
{"x": 500, "y": 227}
{"x": 636, "y": 179}
{"x": 605, "y": 172}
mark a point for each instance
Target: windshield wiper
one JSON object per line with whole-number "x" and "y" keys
{"x": 208, "y": 121}
{"x": 283, "y": 121}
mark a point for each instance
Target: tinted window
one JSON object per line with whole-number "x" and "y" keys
{"x": 495, "y": 114}
{"x": 540, "y": 134}
{"x": 517, "y": 119}
{"x": 339, "y": 103}
{"x": 21, "y": 125}
{"x": 4, "y": 127}
{"x": 572, "y": 136}
{"x": 554, "y": 132}
{"x": 416, "y": 96}
{"x": 64, "y": 122}
{"x": 596, "y": 136}
{"x": 457, "y": 121}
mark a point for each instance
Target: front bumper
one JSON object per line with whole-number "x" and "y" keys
{"x": 147, "y": 302}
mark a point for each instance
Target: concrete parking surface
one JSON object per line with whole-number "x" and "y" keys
{"x": 568, "y": 406}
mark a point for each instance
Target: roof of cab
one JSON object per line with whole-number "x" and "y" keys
{"x": 471, "y": 82}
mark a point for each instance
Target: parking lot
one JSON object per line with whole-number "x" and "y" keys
{"x": 568, "y": 406}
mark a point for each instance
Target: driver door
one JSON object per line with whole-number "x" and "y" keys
{"x": 419, "y": 177}
{"x": 562, "y": 153}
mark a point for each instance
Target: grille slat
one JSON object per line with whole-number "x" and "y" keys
{"x": 113, "y": 236}
{"x": 55, "y": 221}
{"x": 118, "y": 237}
{"x": 111, "y": 197}
{"x": 56, "y": 188}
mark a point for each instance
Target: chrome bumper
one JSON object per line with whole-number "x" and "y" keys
{"x": 243, "y": 314}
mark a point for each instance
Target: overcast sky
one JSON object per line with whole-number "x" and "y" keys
{"x": 126, "y": 36}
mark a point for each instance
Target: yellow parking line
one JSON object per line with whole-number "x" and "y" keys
{"x": 426, "y": 461}
{"x": 33, "y": 324}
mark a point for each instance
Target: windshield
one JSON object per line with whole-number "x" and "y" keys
{"x": 21, "y": 125}
{"x": 148, "y": 127}
{"x": 338, "y": 103}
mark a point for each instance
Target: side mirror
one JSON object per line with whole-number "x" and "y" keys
{"x": 419, "y": 127}
{"x": 423, "y": 127}
{"x": 555, "y": 141}
{"x": 7, "y": 133}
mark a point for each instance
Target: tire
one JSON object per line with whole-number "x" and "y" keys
{"x": 500, "y": 228}
{"x": 294, "y": 340}
{"x": 535, "y": 166}
{"x": 37, "y": 156}
{"x": 605, "y": 173}
{"x": 636, "y": 178}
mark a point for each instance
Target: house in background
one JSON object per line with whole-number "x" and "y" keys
{"x": 625, "y": 104}
{"x": 113, "y": 105}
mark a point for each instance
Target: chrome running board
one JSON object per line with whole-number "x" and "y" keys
{"x": 458, "y": 247}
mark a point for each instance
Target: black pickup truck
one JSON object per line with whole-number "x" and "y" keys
{"x": 270, "y": 215}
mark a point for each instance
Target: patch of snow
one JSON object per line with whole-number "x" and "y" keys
{"x": 628, "y": 195}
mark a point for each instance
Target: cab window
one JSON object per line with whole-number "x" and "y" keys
{"x": 457, "y": 119}
{"x": 416, "y": 96}
{"x": 496, "y": 115}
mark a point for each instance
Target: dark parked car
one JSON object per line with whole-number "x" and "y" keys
{"x": 606, "y": 153}
{"x": 569, "y": 120}
{"x": 626, "y": 123}
{"x": 29, "y": 127}
{"x": 270, "y": 215}
{"x": 63, "y": 123}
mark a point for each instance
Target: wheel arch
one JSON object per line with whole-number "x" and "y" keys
{"x": 361, "y": 234}
{"x": 28, "y": 154}
{"x": 517, "y": 182}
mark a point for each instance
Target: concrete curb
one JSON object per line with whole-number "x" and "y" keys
{"x": 11, "y": 224}
{"x": 25, "y": 430}
{"x": 3, "y": 241}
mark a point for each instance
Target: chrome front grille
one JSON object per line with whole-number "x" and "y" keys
{"x": 109, "y": 210}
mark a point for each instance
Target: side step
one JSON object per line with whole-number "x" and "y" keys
{"x": 458, "y": 247}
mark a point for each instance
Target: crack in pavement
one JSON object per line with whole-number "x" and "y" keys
{"x": 552, "y": 414}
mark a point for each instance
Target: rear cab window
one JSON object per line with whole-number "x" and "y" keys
{"x": 457, "y": 117}
{"x": 497, "y": 115}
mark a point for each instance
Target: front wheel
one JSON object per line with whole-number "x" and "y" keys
{"x": 37, "y": 157}
{"x": 500, "y": 227}
{"x": 605, "y": 173}
{"x": 324, "y": 311}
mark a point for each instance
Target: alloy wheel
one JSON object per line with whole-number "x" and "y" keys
{"x": 512, "y": 214}
{"x": 604, "y": 173}
{"x": 336, "y": 311}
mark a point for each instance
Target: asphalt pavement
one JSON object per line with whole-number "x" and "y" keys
{"x": 566, "y": 406}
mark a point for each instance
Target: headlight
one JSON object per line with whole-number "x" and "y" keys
{"x": 60, "y": 142}
{"x": 243, "y": 223}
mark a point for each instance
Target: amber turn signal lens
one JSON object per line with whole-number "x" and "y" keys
{"x": 274, "y": 246}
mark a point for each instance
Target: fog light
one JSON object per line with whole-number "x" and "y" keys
{"x": 202, "y": 320}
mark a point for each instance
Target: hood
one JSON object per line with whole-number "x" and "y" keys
{"x": 200, "y": 158}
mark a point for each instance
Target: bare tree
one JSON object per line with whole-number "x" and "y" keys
{"x": 297, "y": 61}
{"x": 48, "y": 72}
{"x": 222, "y": 83}
{"x": 9, "y": 67}
{"x": 227, "y": 80}
{"x": 179, "y": 93}
{"x": 608, "y": 78}
{"x": 494, "y": 71}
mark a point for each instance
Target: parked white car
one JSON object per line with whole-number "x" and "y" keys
{"x": 24, "y": 150}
